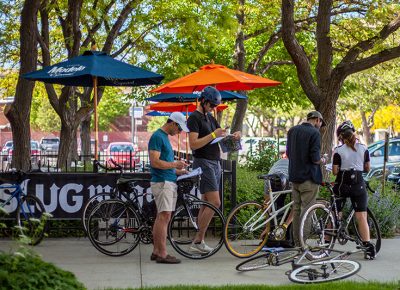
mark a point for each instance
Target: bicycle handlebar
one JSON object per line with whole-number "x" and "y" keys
{"x": 117, "y": 166}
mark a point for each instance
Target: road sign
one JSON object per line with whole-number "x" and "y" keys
{"x": 136, "y": 112}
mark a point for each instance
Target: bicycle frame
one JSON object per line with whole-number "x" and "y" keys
{"x": 269, "y": 209}
{"x": 341, "y": 224}
{"x": 17, "y": 193}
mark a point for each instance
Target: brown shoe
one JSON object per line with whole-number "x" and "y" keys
{"x": 168, "y": 260}
{"x": 153, "y": 257}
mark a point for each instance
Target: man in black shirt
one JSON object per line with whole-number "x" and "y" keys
{"x": 203, "y": 129}
{"x": 304, "y": 153}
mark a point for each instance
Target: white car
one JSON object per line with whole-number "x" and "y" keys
{"x": 377, "y": 153}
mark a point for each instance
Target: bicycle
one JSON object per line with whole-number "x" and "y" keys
{"x": 324, "y": 269}
{"x": 115, "y": 227}
{"x": 321, "y": 225}
{"x": 247, "y": 221}
{"x": 122, "y": 183}
{"x": 31, "y": 220}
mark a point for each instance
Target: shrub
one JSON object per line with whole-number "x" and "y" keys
{"x": 25, "y": 270}
{"x": 263, "y": 157}
{"x": 386, "y": 208}
{"x": 248, "y": 187}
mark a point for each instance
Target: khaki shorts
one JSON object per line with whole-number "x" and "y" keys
{"x": 165, "y": 195}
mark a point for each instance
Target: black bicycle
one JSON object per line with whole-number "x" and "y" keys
{"x": 321, "y": 226}
{"x": 116, "y": 226}
{"x": 122, "y": 183}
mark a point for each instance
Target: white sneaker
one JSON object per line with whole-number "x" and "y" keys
{"x": 201, "y": 248}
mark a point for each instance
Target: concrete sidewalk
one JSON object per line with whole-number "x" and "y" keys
{"x": 135, "y": 270}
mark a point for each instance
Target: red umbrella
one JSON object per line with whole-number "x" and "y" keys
{"x": 219, "y": 76}
{"x": 180, "y": 107}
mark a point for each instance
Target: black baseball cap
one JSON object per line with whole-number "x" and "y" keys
{"x": 316, "y": 114}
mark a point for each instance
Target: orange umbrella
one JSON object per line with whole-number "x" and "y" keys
{"x": 219, "y": 76}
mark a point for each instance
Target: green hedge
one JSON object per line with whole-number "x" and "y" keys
{"x": 25, "y": 270}
{"x": 248, "y": 187}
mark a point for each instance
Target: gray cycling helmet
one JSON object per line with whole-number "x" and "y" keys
{"x": 211, "y": 95}
{"x": 346, "y": 125}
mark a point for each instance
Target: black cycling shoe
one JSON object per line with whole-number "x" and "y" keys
{"x": 369, "y": 250}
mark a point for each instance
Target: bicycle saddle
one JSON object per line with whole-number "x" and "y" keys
{"x": 266, "y": 176}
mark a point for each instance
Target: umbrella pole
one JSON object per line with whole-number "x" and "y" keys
{"x": 179, "y": 146}
{"x": 96, "y": 125}
{"x": 187, "y": 137}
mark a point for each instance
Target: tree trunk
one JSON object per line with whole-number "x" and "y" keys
{"x": 366, "y": 128}
{"x": 328, "y": 110}
{"x": 65, "y": 154}
{"x": 85, "y": 138}
{"x": 19, "y": 112}
{"x": 69, "y": 127}
{"x": 240, "y": 61}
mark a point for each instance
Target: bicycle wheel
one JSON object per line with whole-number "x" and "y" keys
{"x": 184, "y": 226}
{"x": 374, "y": 230}
{"x": 325, "y": 271}
{"x": 254, "y": 263}
{"x": 114, "y": 228}
{"x": 91, "y": 204}
{"x": 31, "y": 220}
{"x": 317, "y": 230}
{"x": 243, "y": 229}
{"x": 268, "y": 259}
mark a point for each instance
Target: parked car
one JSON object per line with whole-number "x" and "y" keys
{"x": 377, "y": 153}
{"x": 35, "y": 151}
{"x": 5, "y": 150}
{"x": 394, "y": 177}
{"x": 123, "y": 153}
{"x": 49, "y": 145}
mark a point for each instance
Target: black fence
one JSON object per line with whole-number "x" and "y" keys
{"x": 48, "y": 162}
{"x": 65, "y": 193}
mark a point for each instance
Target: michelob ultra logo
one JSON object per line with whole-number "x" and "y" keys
{"x": 65, "y": 71}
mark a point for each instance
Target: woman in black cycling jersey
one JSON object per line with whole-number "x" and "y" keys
{"x": 350, "y": 160}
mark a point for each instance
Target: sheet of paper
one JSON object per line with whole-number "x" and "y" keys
{"x": 216, "y": 140}
{"x": 192, "y": 173}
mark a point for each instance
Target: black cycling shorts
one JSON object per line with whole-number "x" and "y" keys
{"x": 357, "y": 194}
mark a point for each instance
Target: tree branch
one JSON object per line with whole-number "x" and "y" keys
{"x": 368, "y": 44}
{"x": 117, "y": 26}
{"x": 96, "y": 27}
{"x": 273, "y": 63}
{"x": 368, "y": 62}
{"x": 296, "y": 51}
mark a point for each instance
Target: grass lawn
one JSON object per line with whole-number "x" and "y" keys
{"x": 347, "y": 285}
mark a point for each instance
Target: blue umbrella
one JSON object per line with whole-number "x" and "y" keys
{"x": 187, "y": 97}
{"x": 159, "y": 114}
{"x": 80, "y": 71}
{"x": 93, "y": 69}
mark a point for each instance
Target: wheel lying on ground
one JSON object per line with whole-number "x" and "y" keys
{"x": 254, "y": 263}
{"x": 267, "y": 259}
{"x": 184, "y": 226}
{"x": 325, "y": 271}
{"x": 243, "y": 229}
{"x": 317, "y": 230}
{"x": 31, "y": 220}
{"x": 114, "y": 228}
